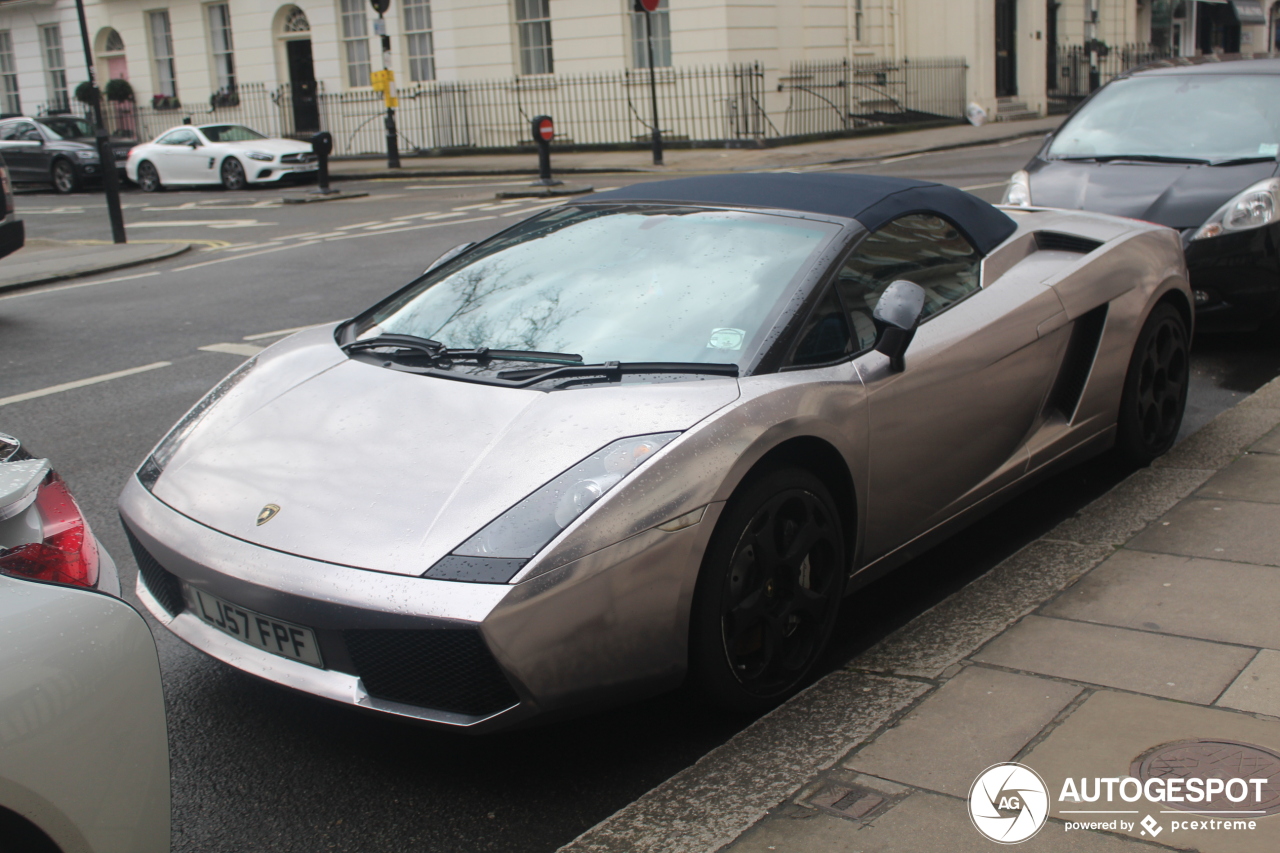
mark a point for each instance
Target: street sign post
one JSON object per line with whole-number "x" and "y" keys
{"x": 384, "y": 81}
{"x": 544, "y": 130}
{"x": 649, "y": 7}
{"x": 106, "y": 157}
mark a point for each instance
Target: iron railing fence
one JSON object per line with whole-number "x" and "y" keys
{"x": 835, "y": 96}
{"x": 1070, "y": 77}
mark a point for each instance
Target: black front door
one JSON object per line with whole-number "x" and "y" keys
{"x": 1051, "y": 44}
{"x": 302, "y": 81}
{"x": 1006, "y": 58}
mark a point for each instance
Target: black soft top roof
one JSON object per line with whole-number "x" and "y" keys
{"x": 872, "y": 200}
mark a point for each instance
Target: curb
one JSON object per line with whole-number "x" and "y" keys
{"x": 598, "y": 170}
{"x": 712, "y": 803}
{"x": 170, "y": 252}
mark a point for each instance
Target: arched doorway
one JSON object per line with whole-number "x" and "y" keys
{"x": 293, "y": 34}
{"x": 113, "y": 65}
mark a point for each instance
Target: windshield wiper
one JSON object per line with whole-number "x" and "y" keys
{"x": 1142, "y": 158}
{"x": 438, "y": 352}
{"x": 1240, "y": 161}
{"x": 531, "y": 375}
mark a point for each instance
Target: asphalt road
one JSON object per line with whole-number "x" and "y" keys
{"x": 256, "y": 767}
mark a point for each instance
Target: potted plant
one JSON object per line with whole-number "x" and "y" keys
{"x": 87, "y": 93}
{"x": 165, "y": 102}
{"x": 227, "y": 97}
{"x": 118, "y": 90}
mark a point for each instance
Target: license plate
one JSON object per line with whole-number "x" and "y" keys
{"x": 307, "y": 167}
{"x": 273, "y": 635}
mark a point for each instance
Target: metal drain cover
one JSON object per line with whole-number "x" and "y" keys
{"x": 1214, "y": 759}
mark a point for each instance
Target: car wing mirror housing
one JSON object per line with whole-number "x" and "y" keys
{"x": 897, "y": 314}
{"x": 448, "y": 256}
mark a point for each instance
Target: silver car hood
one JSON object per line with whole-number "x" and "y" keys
{"x": 389, "y": 471}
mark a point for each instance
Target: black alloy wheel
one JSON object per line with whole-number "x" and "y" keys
{"x": 64, "y": 177}
{"x": 1155, "y": 387}
{"x": 769, "y": 591}
{"x": 233, "y": 177}
{"x": 148, "y": 177}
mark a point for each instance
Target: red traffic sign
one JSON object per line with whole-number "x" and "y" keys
{"x": 544, "y": 128}
{"x": 648, "y": 5}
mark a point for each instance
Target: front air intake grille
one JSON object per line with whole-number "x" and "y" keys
{"x": 1052, "y": 241}
{"x": 163, "y": 586}
{"x": 445, "y": 670}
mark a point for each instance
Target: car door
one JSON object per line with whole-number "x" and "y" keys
{"x": 22, "y": 146}
{"x": 176, "y": 159}
{"x": 949, "y": 429}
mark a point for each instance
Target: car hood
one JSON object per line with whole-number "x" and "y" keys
{"x": 1180, "y": 196}
{"x": 389, "y": 471}
{"x": 268, "y": 146}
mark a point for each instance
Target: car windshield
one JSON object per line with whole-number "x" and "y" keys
{"x": 1210, "y": 117}
{"x": 68, "y": 128}
{"x": 634, "y": 283}
{"x": 230, "y": 133}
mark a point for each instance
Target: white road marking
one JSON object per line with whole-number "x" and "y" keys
{"x": 80, "y": 383}
{"x": 405, "y": 227}
{"x": 532, "y": 209}
{"x": 464, "y": 186}
{"x": 426, "y": 216}
{"x": 246, "y": 247}
{"x": 248, "y": 255}
{"x": 357, "y": 225}
{"x": 233, "y": 349}
{"x": 501, "y": 205}
{"x": 471, "y": 206}
{"x": 984, "y": 186}
{"x": 37, "y": 290}
{"x": 299, "y": 236}
{"x": 278, "y": 333}
{"x": 208, "y": 223}
{"x": 382, "y": 225}
{"x": 25, "y": 211}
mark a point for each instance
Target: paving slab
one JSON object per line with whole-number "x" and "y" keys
{"x": 1191, "y": 597}
{"x": 1110, "y": 731}
{"x": 1269, "y": 443}
{"x": 1257, "y": 689}
{"x": 946, "y": 741}
{"x": 951, "y": 630}
{"x": 922, "y": 823}
{"x": 1131, "y": 505}
{"x": 1252, "y": 477}
{"x": 1217, "y": 529}
{"x": 1159, "y": 665}
{"x": 1223, "y": 438}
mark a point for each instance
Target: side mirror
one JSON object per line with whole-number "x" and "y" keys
{"x": 897, "y": 315}
{"x": 448, "y": 256}
{"x": 195, "y": 143}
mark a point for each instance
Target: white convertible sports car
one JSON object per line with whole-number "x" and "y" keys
{"x": 230, "y": 154}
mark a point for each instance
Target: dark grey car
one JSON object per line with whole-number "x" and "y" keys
{"x": 57, "y": 150}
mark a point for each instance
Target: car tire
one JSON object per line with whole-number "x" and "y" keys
{"x": 1155, "y": 388}
{"x": 233, "y": 176}
{"x": 64, "y": 177}
{"x": 768, "y": 592}
{"x": 148, "y": 177}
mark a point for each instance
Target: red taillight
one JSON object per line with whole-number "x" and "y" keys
{"x": 68, "y": 553}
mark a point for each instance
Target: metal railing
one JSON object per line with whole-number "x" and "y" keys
{"x": 834, "y": 96}
{"x": 1071, "y": 76}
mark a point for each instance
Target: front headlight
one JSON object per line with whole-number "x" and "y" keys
{"x": 1253, "y": 208}
{"x": 87, "y": 155}
{"x": 151, "y": 469}
{"x": 258, "y": 155}
{"x": 527, "y": 527}
{"x": 1018, "y": 190}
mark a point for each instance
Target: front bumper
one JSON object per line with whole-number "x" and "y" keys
{"x": 1235, "y": 277}
{"x": 478, "y": 657}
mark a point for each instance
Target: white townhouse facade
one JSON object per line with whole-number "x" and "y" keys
{"x": 193, "y": 52}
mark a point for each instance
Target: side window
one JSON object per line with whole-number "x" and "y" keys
{"x": 178, "y": 137}
{"x": 919, "y": 248}
{"x": 825, "y": 334}
{"x": 27, "y": 131}
{"x": 8, "y": 132}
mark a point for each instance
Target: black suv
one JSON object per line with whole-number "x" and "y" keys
{"x": 57, "y": 150}
{"x": 12, "y": 234}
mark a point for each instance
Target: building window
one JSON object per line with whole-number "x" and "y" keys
{"x": 355, "y": 42}
{"x": 533, "y": 22}
{"x": 661, "y": 20}
{"x": 55, "y": 69}
{"x": 297, "y": 22}
{"x": 224, "y": 64}
{"x": 9, "y": 100}
{"x": 417, "y": 28}
{"x": 858, "y": 20}
{"x": 166, "y": 77}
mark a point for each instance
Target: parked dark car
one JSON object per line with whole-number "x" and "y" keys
{"x": 57, "y": 150}
{"x": 1191, "y": 144}
{"x": 12, "y": 233}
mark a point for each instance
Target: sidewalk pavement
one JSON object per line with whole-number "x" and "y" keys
{"x": 1149, "y": 619}
{"x": 703, "y": 160}
{"x": 42, "y": 261}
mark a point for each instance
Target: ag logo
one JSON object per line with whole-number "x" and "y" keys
{"x": 1008, "y": 803}
{"x": 267, "y": 513}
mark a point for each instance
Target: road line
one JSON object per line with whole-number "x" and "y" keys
{"x": 245, "y": 350}
{"x": 249, "y": 255}
{"x": 300, "y": 236}
{"x": 358, "y": 225}
{"x": 278, "y": 333}
{"x": 36, "y": 290}
{"x": 471, "y": 206}
{"x": 81, "y": 383}
{"x": 465, "y": 186}
{"x": 400, "y": 230}
{"x": 984, "y": 186}
{"x": 246, "y": 247}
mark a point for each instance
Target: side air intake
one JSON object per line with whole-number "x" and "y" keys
{"x": 1086, "y": 334}
{"x": 1053, "y": 241}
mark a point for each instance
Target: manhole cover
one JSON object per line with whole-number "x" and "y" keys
{"x": 1215, "y": 759}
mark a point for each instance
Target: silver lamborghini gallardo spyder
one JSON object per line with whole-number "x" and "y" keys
{"x": 653, "y": 435}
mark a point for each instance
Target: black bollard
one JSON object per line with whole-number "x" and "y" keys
{"x": 544, "y": 130}
{"x": 322, "y": 145}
